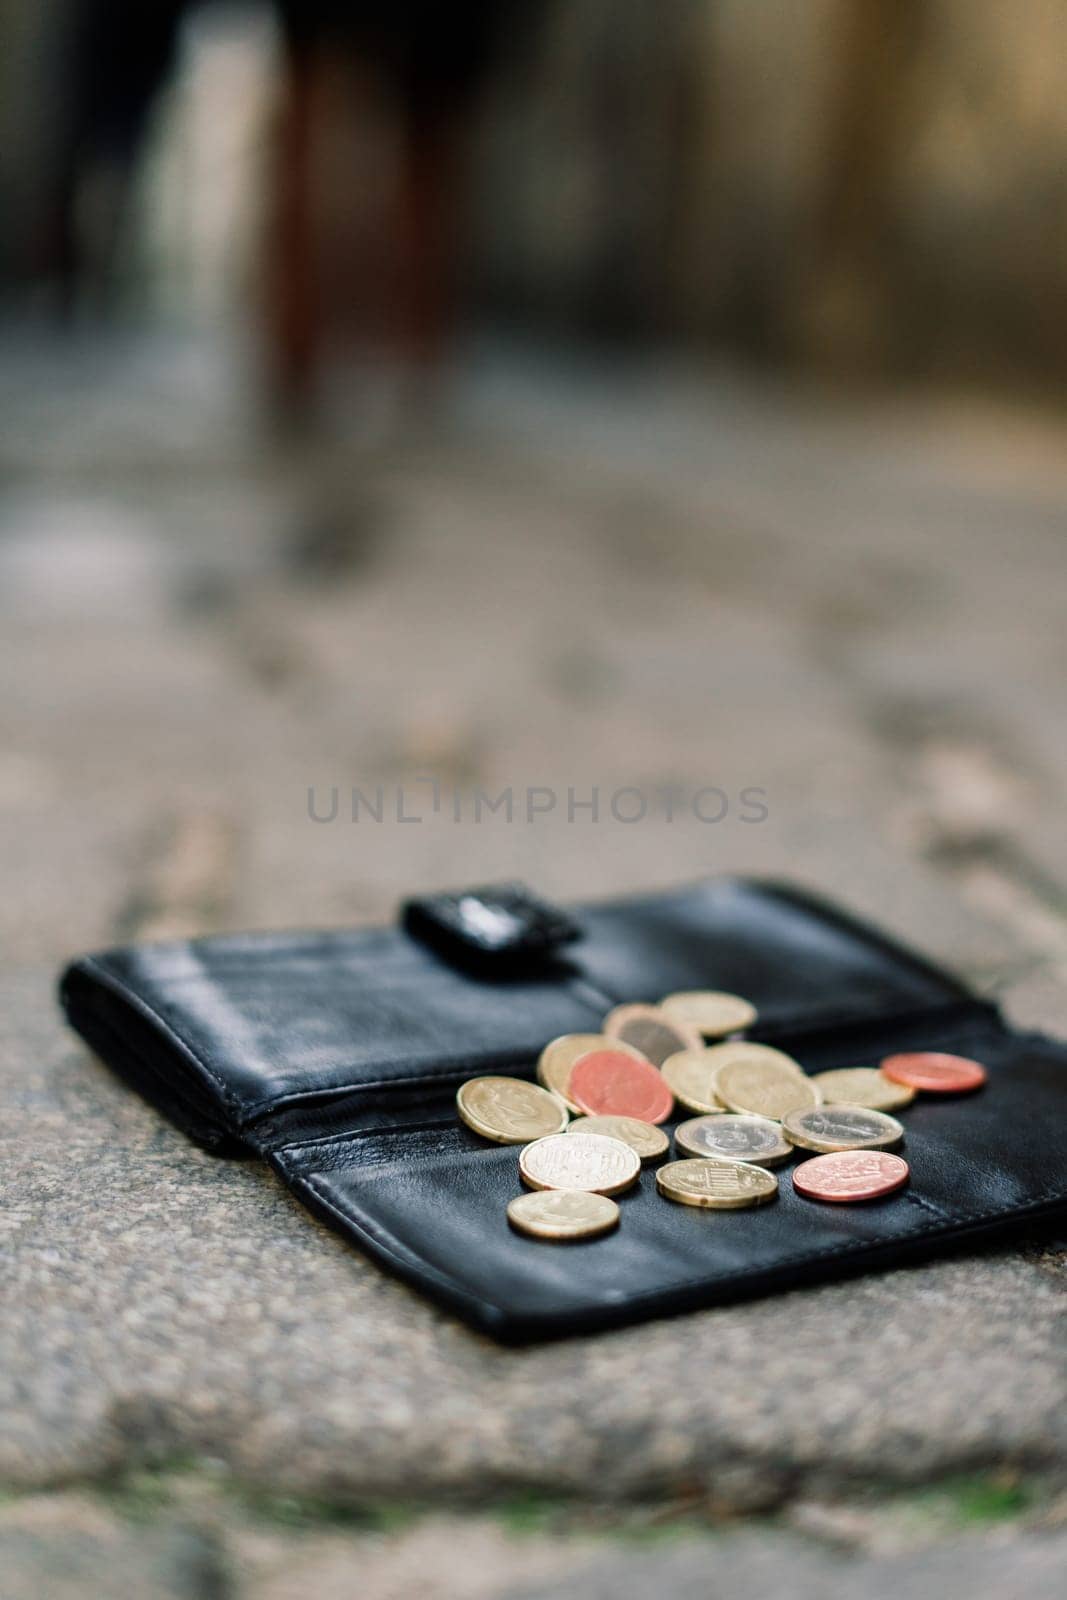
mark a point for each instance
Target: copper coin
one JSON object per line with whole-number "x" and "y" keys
{"x": 559, "y": 1056}
{"x": 850, "y": 1175}
{"x": 652, "y": 1031}
{"x": 935, "y": 1072}
{"x": 609, "y": 1083}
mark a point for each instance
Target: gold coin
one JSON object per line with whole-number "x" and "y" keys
{"x": 720, "y": 1185}
{"x": 563, "y": 1214}
{"x": 863, "y": 1086}
{"x": 559, "y": 1056}
{"x": 689, "y": 1075}
{"x": 586, "y": 1161}
{"x": 711, "y": 1012}
{"x": 761, "y": 1081}
{"x": 733, "y": 1137}
{"x": 745, "y": 1050}
{"x": 827, "y": 1128}
{"x": 509, "y": 1110}
{"x": 648, "y": 1141}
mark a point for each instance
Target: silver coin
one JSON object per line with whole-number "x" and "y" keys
{"x": 651, "y": 1031}
{"x": 844, "y": 1127}
{"x": 588, "y": 1161}
{"x": 757, "y": 1140}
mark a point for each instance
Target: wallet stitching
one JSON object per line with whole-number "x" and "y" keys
{"x": 951, "y": 1224}
{"x": 929, "y": 1205}
{"x": 352, "y": 1136}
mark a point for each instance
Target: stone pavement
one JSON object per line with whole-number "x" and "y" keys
{"x": 570, "y": 579}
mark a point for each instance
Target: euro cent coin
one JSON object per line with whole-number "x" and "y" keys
{"x": 688, "y": 1075}
{"x": 609, "y": 1083}
{"x": 509, "y": 1110}
{"x": 647, "y": 1141}
{"x": 587, "y": 1161}
{"x": 650, "y": 1030}
{"x": 863, "y": 1086}
{"x": 559, "y": 1056}
{"x": 711, "y": 1012}
{"x": 563, "y": 1214}
{"x": 761, "y": 1081}
{"x": 850, "y": 1175}
{"x": 734, "y": 1138}
{"x": 716, "y": 1185}
{"x": 827, "y": 1128}
{"x": 934, "y": 1072}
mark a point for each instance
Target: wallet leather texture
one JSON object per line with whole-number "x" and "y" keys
{"x": 336, "y": 1057}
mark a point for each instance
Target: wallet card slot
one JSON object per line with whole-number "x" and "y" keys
{"x": 398, "y": 1102}
{"x": 373, "y": 1147}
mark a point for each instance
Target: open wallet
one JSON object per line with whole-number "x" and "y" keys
{"x": 336, "y": 1056}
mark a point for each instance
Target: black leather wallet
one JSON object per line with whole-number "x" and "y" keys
{"x": 336, "y": 1057}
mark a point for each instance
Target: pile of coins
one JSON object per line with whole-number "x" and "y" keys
{"x": 594, "y": 1117}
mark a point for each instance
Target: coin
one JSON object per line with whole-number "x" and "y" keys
{"x": 711, "y": 1012}
{"x": 850, "y": 1175}
{"x": 509, "y": 1110}
{"x": 563, "y": 1214}
{"x": 841, "y": 1128}
{"x": 559, "y": 1056}
{"x": 688, "y": 1076}
{"x": 720, "y": 1185}
{"x": 745, "y": 1050}
{"x": 649, "y": 1142}
{"x": 651, "y": 1031}
{"x": 734, "y": 1138}
{"x": 586, "y": 1161}
{"x": 934, "y": 1072}
{"x": 757, "y": 1079}
{"x": 862, "y": 1086}
{"x": 612, "y": 1084}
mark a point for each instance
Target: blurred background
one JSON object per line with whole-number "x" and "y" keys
{"x": 566, "y": 395}
{"x": 875, "y": 188}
